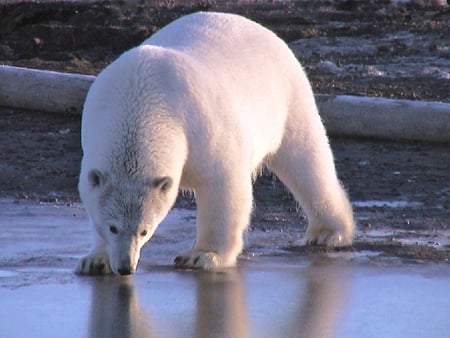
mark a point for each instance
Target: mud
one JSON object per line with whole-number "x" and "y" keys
{"x": 372, "y": 48}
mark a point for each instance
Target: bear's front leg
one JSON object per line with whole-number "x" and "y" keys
{"x": 96, "y": 262}
{"x": 223, "y": 213}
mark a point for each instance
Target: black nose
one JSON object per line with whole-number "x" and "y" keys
{"x": 124, "y": 271}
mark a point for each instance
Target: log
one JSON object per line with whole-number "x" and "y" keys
{"x": 343, "y": 115}
{"x": 382, "y": 118}
{"x": 43, "y": 90}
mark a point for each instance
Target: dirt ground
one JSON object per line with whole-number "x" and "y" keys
{"x": 40, "y": 153}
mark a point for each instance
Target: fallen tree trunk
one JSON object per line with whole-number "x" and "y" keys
{"x": 342, "y": 115}
{"x": 385, "y": 118}
{"x": 43, "y": 90}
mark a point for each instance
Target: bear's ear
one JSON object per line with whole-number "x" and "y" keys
{"x": 96, "y": 178}
{"x": 163, "y": 183}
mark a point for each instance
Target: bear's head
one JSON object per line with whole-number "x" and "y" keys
{"x": 126, "y": 212}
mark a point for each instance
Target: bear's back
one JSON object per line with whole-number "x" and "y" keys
{"x": 224, "y": 40}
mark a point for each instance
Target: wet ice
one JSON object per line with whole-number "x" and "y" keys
{"x": 269, "y": 294}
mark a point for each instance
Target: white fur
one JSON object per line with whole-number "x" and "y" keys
{"x": 201, "y": 105}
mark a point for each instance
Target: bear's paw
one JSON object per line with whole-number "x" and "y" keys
{"x": 328, "y": 238}
{"x": 196, "y": 259}
{"x": 94, "y": 264}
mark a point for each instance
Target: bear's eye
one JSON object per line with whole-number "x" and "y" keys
{"x": 113, "y": 229}
{"x": 144, "y": 233}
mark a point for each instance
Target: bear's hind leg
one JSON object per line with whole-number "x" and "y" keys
{"x": 310, "y": 175}
{"x": 223, "y": 213}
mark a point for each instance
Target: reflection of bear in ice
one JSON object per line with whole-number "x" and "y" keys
{"x": 202, "y": 105}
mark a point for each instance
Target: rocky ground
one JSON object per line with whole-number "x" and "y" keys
{"x": 369, "y": 48}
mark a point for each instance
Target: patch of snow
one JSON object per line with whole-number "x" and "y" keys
{"x": 329, "y": 67}
{"x": 418, "y": 56}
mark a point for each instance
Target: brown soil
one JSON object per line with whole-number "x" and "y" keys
{"x": 40, "y": 153}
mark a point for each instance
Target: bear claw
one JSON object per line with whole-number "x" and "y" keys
{"x": 327, "y": 238}
{"x": 194, "y": 259}
{"x": 93, "y": 265}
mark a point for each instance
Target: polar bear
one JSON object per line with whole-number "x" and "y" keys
{"x": 202, "y": 105}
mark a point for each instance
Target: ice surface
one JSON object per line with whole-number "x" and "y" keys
{"x": 265, "y": 296}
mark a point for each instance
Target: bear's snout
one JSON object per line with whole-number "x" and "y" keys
{"x": 126, "y": 267}
{"x": 124, "y": 271}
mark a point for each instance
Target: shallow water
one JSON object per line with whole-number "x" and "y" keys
{"x": 267, "y": 295}
{"x": 265, "y": 298}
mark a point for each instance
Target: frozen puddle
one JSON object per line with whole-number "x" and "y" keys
{"x": 434, "y": 238}
{"x": 265, "y": 296}
{"x": 385, "y": 204}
